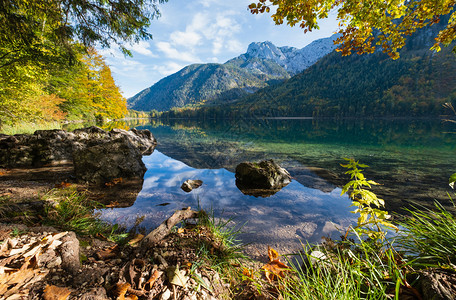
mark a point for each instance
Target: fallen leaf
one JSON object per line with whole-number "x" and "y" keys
{"x": 62, "y": 185}
{"x": 180, "y": 230}
{"x": 6, "y": 247}
{"x": 112, "y": 204}
{"x": 136, "y": 239}
{"x": 246, "y": 272}
{"x": 272, "y": 254}
{"x": 274, "y": 269}
{"x": 117, "y": 180}
{"x": 109, "y": 253}
{"x": 121, "y": 290}
{"x": 177, "y": 277}
{"x": 150, "y": 283}
{"x": 52, "y": 292}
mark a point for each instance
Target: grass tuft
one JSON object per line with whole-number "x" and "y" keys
{"x": 430, "y": 236}
{"x": 72, "y": 210}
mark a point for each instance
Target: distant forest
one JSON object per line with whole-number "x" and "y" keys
{"x": 415, "y": 85}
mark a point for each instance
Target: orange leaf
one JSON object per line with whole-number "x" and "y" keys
{"x": 150, "y": 283}
{"x": 52, "y": 292}
{"x": 180, "y": 230}
{"x": 275, "y": 269}
{"x": 112, "y": 204}
{"x": 246, "y": 272}
{"x": 62, "y": 185}
{"x": 136, "y": 239}
{"x": 121, "y": 290}
{"x": 272, "y": 254}
{"x": 109, "y": 253}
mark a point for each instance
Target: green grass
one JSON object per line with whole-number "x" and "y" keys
{"x": 29, "y": 128}
{"x": 73, "y": 210}
{"x": 429, "y": 236}
{"x": 223, "y": 249}
{"x": 348, "y": 270}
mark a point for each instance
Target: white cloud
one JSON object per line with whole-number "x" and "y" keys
{"x": 186, "y": 38}
{"x": 142, "y": 47}
{"x": 168, "y": 68}
{"x": 173, "y": 53}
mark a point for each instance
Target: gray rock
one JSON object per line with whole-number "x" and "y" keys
{"x": 267, "y": 177}
{"x": 189, "y": 185}
{"x": 69, "y": 252}
{"x": 93, "y": 151}
{"x": 57, "y": 146}
{"x": 114, "y": 159}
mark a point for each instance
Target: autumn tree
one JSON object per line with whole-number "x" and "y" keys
{"x": 365, "y": 25}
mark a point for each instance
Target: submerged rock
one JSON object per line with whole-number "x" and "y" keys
{"x": 261, "y": 179}
{"x": 189, "y": 185}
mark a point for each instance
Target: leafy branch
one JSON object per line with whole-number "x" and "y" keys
{"x": 372, "y": 217}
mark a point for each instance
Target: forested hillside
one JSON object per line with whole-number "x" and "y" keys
{"x": 263, "y": 64}
{"x": 416, "y": 84}
{"x": 200, "y": 83}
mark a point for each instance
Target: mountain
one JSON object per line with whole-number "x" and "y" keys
{"x": 374, "y": 85}
{"x": 262, "y": 65}
{"x": 293, "y": 60}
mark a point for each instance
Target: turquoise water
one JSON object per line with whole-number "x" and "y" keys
{"x": 412, "y": 159}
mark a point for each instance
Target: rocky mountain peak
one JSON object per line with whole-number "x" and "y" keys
{"x": 293, "y": 60}
{"x": 264, "y": 50}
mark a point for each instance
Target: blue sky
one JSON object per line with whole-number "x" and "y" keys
{"x": 200, "y": 31}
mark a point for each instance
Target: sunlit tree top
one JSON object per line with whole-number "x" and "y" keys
{"x": 365, "y": 25}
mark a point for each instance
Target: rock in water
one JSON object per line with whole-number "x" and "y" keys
{"x": 261, "y": 179}
{"x": 189, "y": 185}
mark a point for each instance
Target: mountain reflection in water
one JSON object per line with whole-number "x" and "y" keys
{"x": 281, "y": 220}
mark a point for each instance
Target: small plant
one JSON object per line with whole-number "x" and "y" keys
{"x": 368, "y": 204}
{"x": 73, "y": 210}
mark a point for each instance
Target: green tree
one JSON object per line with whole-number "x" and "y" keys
{"x": 365, "y": 25}
{"x": 44, "y": 30}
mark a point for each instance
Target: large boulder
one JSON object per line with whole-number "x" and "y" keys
{"x": 57, "y": 146}
{"x": 118, "y": 158}
{"x": 93, "y": 151}
{"x": 261, "y": 179}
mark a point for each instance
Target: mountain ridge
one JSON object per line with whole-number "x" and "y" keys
{"x": 262, "y": 65}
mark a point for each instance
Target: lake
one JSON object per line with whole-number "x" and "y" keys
{"x": 412, "y": 159}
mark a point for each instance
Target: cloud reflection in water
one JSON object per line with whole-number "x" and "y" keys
{"x": 294, "y": 213}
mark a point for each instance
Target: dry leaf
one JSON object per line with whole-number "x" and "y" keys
{"x": 275, "y": 269}
{"x": 112, "y": 204}
{"x": 7, "y": 246}
{"x": 272, "y": 254}
{"x": 117, "y": 180}
{"x": 136, "y": 239}
{"x": 107, "y": 253}
{"x": 150, "y": 283}
{"x": 62, "y": 185}
{"x": 246, "y": 272}
{"x": 52, "y": 292}
{"x": 180, "y": 230}
{"x": 121, "y": 290}
{"x": 177, "y": 277}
